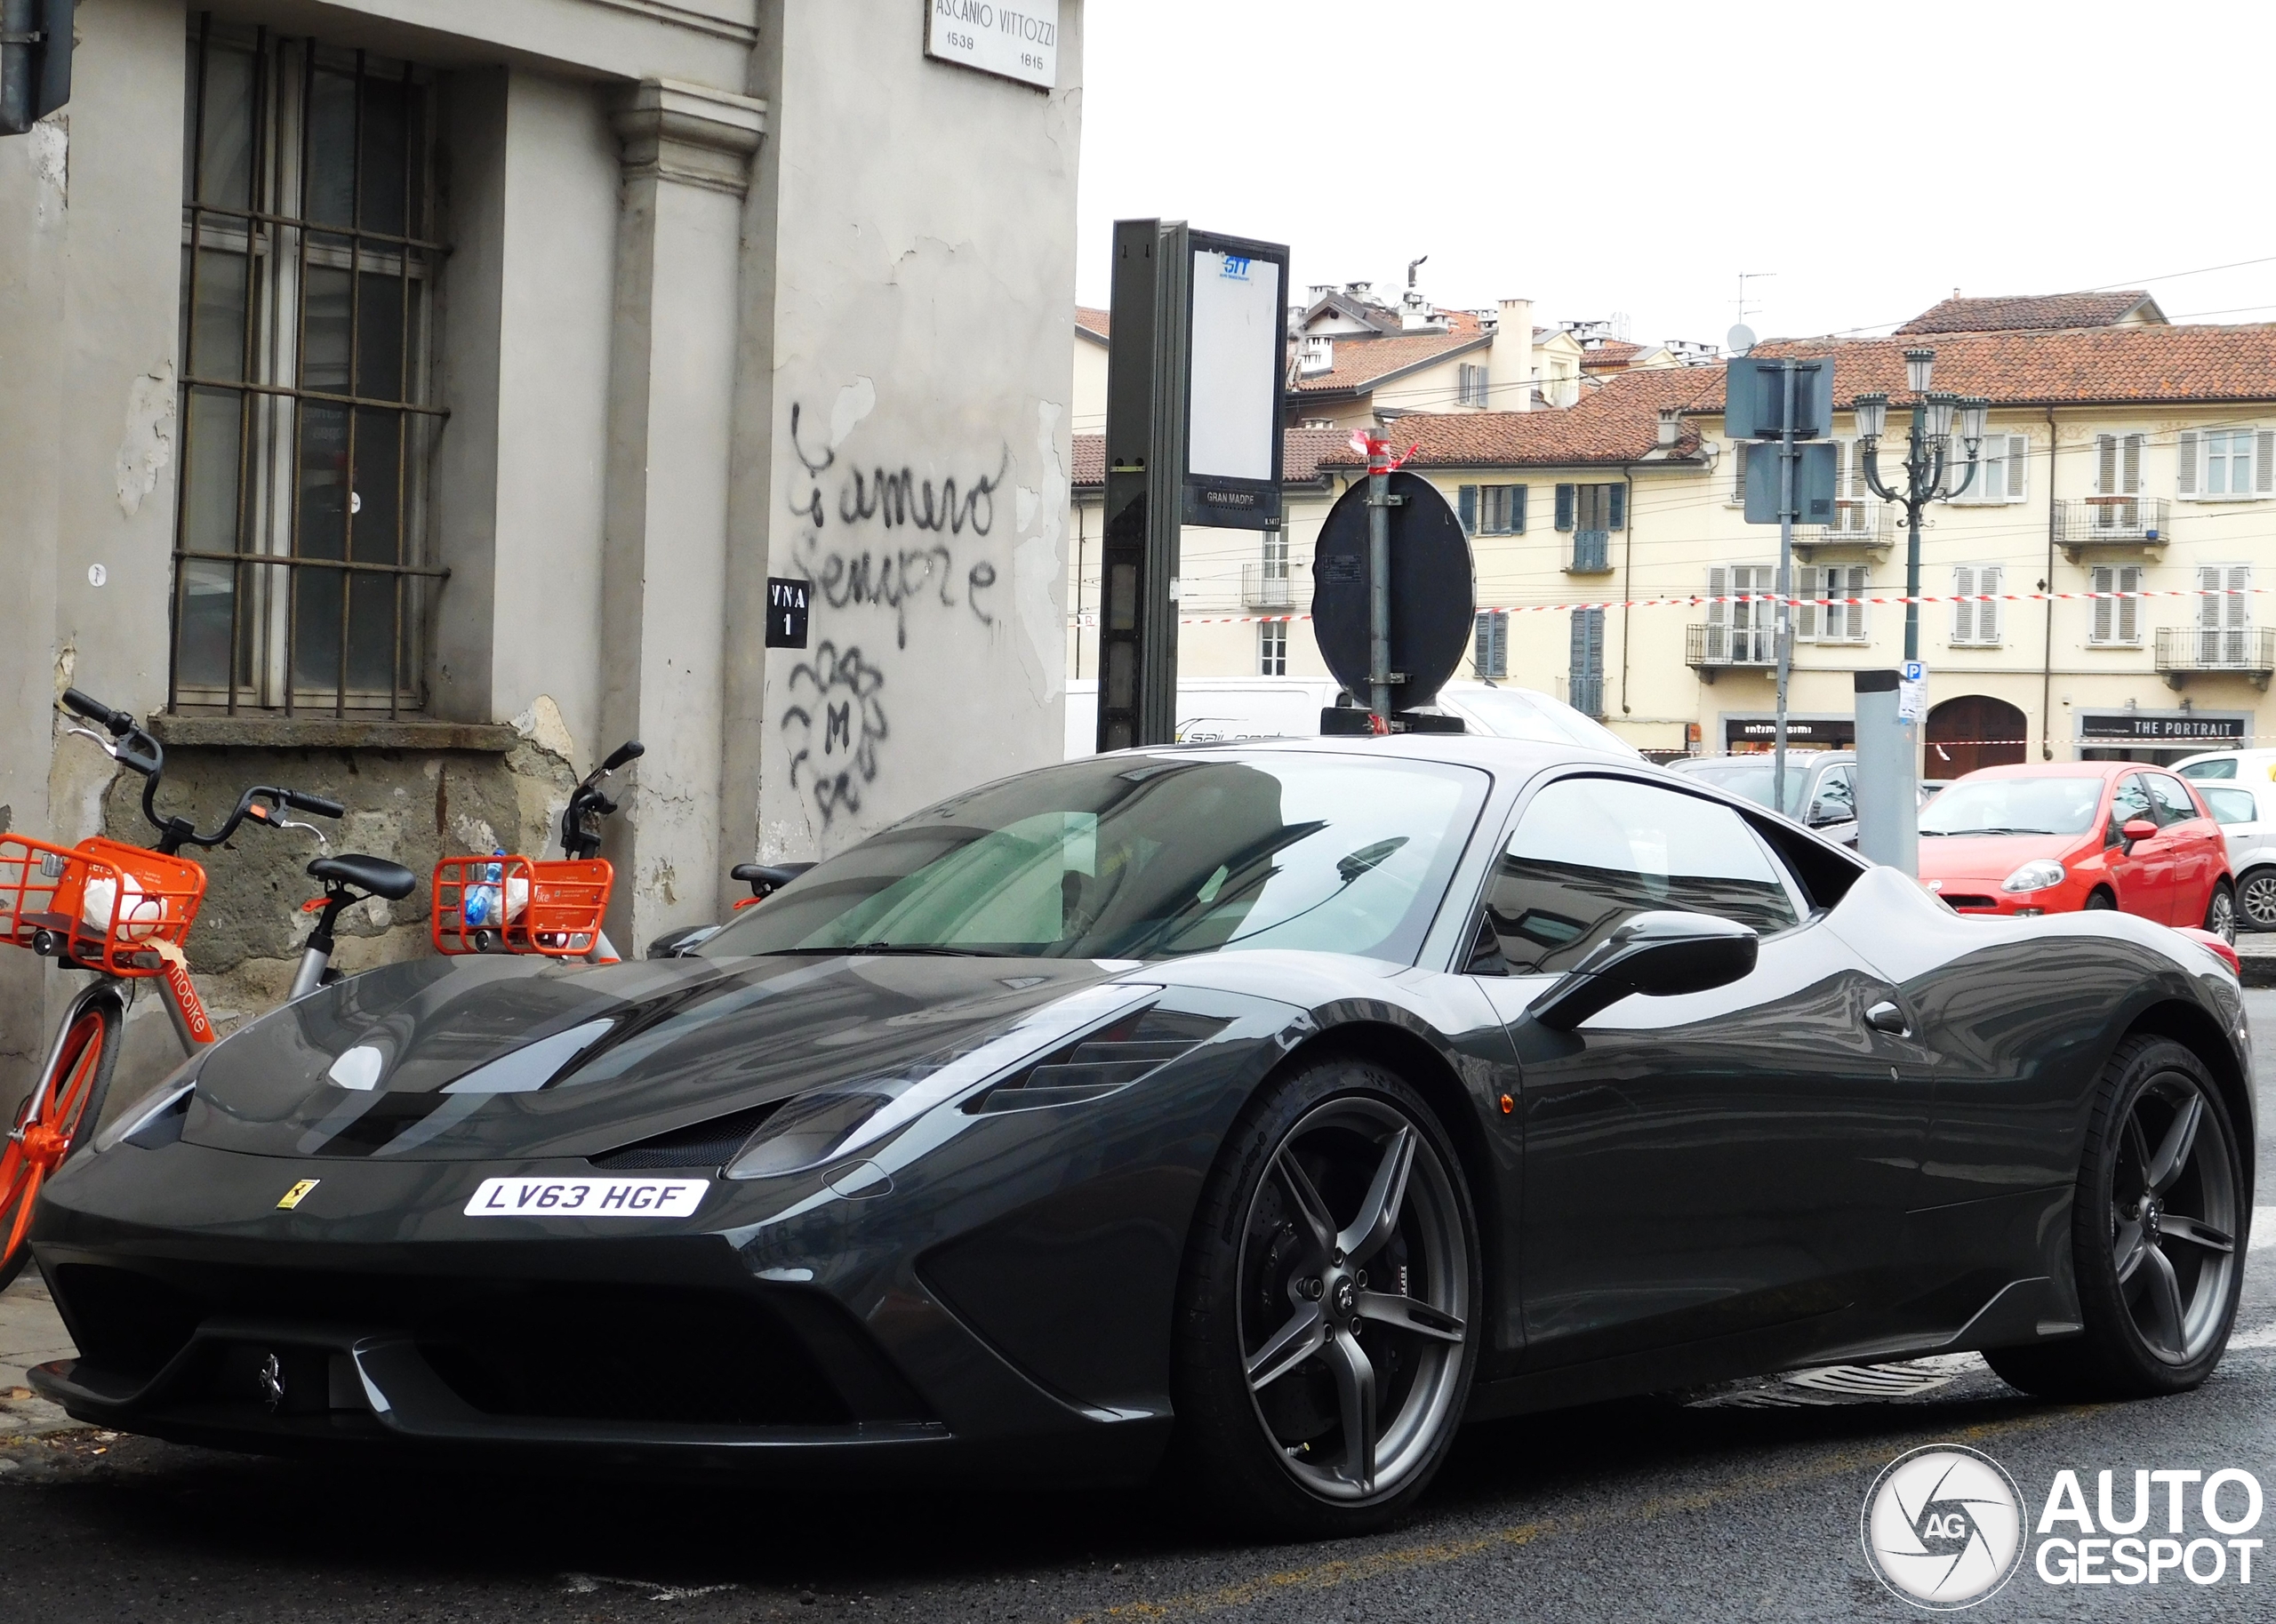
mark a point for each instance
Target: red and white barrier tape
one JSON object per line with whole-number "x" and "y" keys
{"x": 1702, "y": 599}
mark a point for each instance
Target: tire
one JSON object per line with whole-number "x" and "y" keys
{"x": 62, "y": 1126}
{"x": 2221, "y": 911}
{"x": 2257, "y": 901}
{"x": 2156, "y": 1104}
{"x": 1267, "y": 1288}
{"x": 2100, "y": 901}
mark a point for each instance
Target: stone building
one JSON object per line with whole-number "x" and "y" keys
{"x": 409, "y": 399}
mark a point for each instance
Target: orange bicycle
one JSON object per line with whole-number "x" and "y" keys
{"x": 502, "y": 904}
{"x": 122, "y": 912}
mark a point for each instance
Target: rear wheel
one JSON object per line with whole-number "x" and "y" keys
{"x": 55, "y": 1120}
{"x": 2154, "y": 1229}
{"x": 2221, "y": 912}
{"x": 2257, "y": 901}
{"x": 1327, "y": 1319}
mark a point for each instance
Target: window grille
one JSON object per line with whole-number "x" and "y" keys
{"x": 309, "y": 261}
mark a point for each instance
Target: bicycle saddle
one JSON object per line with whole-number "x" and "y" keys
{"x": 375, "y": 875}
{"x": 773, "y": 876}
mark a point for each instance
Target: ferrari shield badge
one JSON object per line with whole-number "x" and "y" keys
{"x": 298, "y": 1193}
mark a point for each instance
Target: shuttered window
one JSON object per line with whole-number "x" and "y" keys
{"x": 1827, "y": 622}
{"x": 1584, "y": 678}
{"x": 2002, "y": 471}
{"x": 1471, "y": 386}
{"x": 2116, "y": 502}
{"x": 1490, "y": 645}
{"x": 2223, "y": 614}
{"x": 1741, "y": 627}
{"x": 1976, "y": 625}
{"x": 1564, "y": 507}
{"x": 2117, "y": 621}
{"x": 1739, "y": 449}
{"x": 2227, "y": 464}
{"x": 1501, "y": 510}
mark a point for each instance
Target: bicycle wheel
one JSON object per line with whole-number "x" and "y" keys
{"x": 58, "y": 1116}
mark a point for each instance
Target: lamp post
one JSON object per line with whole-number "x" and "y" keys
{"x": 1927, "y": 463}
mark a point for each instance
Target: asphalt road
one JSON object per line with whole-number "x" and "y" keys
{"x": 1746, "y": 1507}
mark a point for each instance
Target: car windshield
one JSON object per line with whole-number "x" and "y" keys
{"x": 2015, "y": 806}
{"x": 1751, "y": 779}
{"x": 1515, "y": 712}
{"x": 1142, "y": 857}
{"x": 2218, "y": 767}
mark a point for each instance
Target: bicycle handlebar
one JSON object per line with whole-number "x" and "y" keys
{"x": 140, "y": 752}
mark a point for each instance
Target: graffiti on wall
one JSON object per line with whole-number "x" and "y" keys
{"x": 833, "y": 723}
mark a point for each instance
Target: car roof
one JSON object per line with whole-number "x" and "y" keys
{"x": 1484, "y": 750}
{"x": 1795, "y": 757}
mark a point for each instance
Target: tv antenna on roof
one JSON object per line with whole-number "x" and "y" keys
{"x": 1740, "y": 337}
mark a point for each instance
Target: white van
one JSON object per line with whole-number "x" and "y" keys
{"x": 2221, "y": 766}
{"x": 1214, "y": 708}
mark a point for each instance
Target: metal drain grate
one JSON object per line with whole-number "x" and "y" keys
{"x": 1844, "y": 1384}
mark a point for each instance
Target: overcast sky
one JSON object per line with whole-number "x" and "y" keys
{"x": 1636, "y": 156}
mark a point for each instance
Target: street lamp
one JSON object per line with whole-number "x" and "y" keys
{"x": 1927, "y": 462}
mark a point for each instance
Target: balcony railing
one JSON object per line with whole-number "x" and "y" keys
{"x": 2235, "y": 651}
{"x": 1714, "y": 646}
{"x": 1267, "y": 587}
{"x": 1855, "y": 523}
{"x": 1590, "y": 554}
{"x": 2087, "y": 521}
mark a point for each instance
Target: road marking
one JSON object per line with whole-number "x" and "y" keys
{"x": 1328, "y": 1575}
{"x": 589, "y": 1584}
{"x": 2263, "y": 1229}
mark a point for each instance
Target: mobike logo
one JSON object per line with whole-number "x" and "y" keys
{"x": 2198, "y": 1540}
{"x": 185, "y": 993}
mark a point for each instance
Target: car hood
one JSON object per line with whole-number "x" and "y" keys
{"x": 1992, "y": 858}
{"x": 475, "y": 1058}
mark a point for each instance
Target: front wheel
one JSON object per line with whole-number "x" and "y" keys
{"x": 2221, "y": 912}
{"x": 2257, "y": 901}
{"x": 2100, "y": 901}
{"x": 1329, "y": 1315}
{"x": 2155, "y": 1226}
{"x": 56, "y": 1119}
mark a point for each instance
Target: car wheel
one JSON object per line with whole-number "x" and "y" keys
{"x": 2221, "y": 912}
{"x": 2257, "y": 901}
{"x": 2155, "y": 1229}
{"x": 2098, "y": 901}
{"x": 1327, "y": 1316}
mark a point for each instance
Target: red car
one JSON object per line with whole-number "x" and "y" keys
{"x": 2058, "y": 836}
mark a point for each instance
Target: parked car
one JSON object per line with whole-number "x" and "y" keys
{"x": 2050, "y": 837}
{"x": 2246, "y": 811}
{"x": 2219, "y": 766}
{"x": 1820, "y": 785}
{"x": 1260, "y": 1112}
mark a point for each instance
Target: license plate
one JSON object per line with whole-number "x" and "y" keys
{"x": 587, "y": 1197}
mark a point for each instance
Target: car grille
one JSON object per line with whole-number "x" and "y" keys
{"x": 657, "y": 1355}
{"x": 1970, "y": 901}
{"x": 703, "y": 1144}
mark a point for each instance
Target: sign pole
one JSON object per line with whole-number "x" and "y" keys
{"x": 1787, "y": 456}
{"x": 1379, "y": 578}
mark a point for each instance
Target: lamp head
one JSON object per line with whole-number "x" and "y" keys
{"x": 1873, "y": 415}
{"x": 1919, "y": 365}
{"x": 1940, "y": 404}
{"x": 1972, "y": 412}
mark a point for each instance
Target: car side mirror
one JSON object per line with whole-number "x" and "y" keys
{"x": 1658, "y": 953}
{"x": 2135, "y": 829}
{"x": 1824, "y": 812}
{"x": 683, "y": 943}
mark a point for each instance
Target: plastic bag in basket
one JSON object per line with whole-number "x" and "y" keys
{"x": 137, "y": 914}
{"x": 484, "y": 909}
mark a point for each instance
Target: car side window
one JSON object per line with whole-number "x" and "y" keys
{"x": 1590, "y": 852}
{"x": 2231, "y": 807}
{"x": 2211, "y": 769}
{"x": 1836, "y": 800}
{"x": 2171, "y": 798}
{"x": 2128, "y": 802}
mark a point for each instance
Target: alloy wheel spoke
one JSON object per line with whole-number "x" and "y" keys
{"x": 1386, "y": 1193}
{"x": 1290, "y": 1346}
{"x": 2128, "y": 1248}
{"x": 2181, "y": 1139}
{"x": 1319, "y": 1225}
{"x": 2196, "y": 1231}
{"x": 2164, "y": 1300}
{"x": 1409, "y": 1314}
{"x": 1355, "y": 1392}
{"x": 2138, "y": 1145}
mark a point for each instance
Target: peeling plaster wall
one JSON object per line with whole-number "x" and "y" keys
{"x": 903, "y": 425}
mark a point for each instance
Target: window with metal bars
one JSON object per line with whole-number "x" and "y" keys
{"x": 310, "y": 262}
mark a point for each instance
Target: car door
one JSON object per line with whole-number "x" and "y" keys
{"x": 1697, "y": 1166}
{"x": 2142, "y": 877}
{"x": 2199, "y": 856}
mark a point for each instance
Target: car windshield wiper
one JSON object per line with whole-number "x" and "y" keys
{"x": 2000, "y": 830}
{"x": 910, "y": 949}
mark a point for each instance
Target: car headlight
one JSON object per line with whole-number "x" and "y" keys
{"x": 145, "y": 1122}
{"x": 2036, "y": 874}
{"x": 842, "y": 1118}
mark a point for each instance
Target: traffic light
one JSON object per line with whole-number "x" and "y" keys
{"x": 34, "y": 61}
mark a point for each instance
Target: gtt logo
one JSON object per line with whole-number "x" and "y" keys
{"x": 1236, "y": 267}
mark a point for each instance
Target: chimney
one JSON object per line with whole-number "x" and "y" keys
{"x": 1670, "y": 425}
{"x": 1509, "y": 359}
